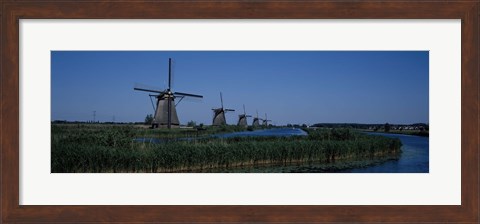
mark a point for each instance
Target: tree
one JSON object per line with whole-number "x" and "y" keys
{"x": 149, "y": 119}
{"x": 387, "y": 127}
{"x": 191, "y": 124}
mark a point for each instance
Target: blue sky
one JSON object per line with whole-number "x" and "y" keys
{"x": 290, "y": 86}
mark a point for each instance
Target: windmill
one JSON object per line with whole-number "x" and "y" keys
{"x": 256, "y": 121}
{"x": 165, "y": 112}
{"x": 242, "y": 118}
{"x": 219, "y": 114}
{"x": 265, "y": 121}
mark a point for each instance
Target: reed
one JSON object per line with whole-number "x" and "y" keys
{"x": 111, "y": 149}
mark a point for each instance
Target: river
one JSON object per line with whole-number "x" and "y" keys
{"x": 414, "y": 159}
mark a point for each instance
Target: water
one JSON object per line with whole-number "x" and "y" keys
{"x": 414, "y": 159}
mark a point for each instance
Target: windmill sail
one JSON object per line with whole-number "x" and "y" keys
{"x": 165, "y": 112}
{"x": 265, "y": 121}
{"x": 219, "y": 114}
{"x": 147, "y": 88}
{"x": 256, "y": 121}
{"x": 242, "y": 118}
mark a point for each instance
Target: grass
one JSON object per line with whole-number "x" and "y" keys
{"x": 111, "y": 148}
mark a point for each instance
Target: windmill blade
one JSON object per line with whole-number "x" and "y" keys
{"x": 148, "y": 90}
{"x": 244, "y": 109}
{"x": 153, "y": 106}
{"x": 145, "y": 88}
{"x": 181, "y": 98}
{"x": 169, "y": 73}
{"x": 248, "y": 115}
{"x": 187, "y": 94}
{"x": 229, "y": 110}
{"x": 221, "y": 98}
{"x": 169, "y": 101}
{"x": 169, "y": 112}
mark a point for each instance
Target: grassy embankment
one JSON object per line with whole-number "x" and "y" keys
{"x": 97, "y": 148}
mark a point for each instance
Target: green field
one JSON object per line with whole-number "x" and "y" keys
{"x": 99, "y": 148}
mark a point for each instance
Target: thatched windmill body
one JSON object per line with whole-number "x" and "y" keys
{"x": 256, "y": 121}
{"x": 165, "y": 112}
{"x": 265, "y": 121}
{"x": 219, "y": 114}
{"x": 242, "y": 118}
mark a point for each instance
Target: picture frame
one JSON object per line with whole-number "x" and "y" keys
{"x": 13, "y": 11}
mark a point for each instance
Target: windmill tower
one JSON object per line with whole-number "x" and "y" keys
{"x": 256, "y": 121}
{"x": 165, "y": 112}
{"x": 242, "y": 118}
{"x": 219, "y": 114}
{"x": 265, "y": 121}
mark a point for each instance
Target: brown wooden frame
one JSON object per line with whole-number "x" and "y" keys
{"x": 11, "y": 11}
